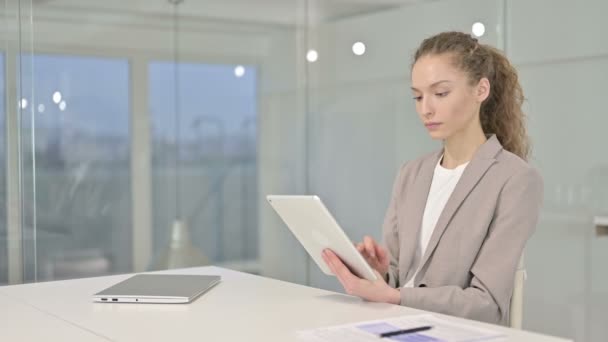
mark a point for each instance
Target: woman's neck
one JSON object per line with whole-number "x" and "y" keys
{"x": 460, "y": 148}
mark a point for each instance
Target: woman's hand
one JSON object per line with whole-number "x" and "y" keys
{"x": 375, "y": 291}
{"x": 375, "y": 255}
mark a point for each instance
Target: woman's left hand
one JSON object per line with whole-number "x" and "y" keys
{"x": 375, "y": 291}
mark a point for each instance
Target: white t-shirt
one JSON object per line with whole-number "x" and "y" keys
{"x": 442, "y": 186}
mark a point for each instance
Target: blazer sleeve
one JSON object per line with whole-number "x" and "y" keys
{"x": 488, "y": 296}
{"x": 390, "y": 233}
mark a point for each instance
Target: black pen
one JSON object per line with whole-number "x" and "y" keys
{"x": 404, "y": 331}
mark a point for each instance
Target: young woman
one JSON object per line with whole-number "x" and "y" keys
{"x": 459, "y": 218}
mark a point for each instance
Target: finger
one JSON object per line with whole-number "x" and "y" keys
{"x": 339, "y": 269}
{"x": 332, "y": 267}
{"x": 364, "y": 253}
{"x": 328, "y": 262}
{"x": 381, "y": 252}
{"x": 369, "y": 246}
{"x": 360, "y": 247}
{"x": 324, "y": 256}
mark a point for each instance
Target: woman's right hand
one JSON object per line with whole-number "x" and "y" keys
{"x": 375, "y": 255}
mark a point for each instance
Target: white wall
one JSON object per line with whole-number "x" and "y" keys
{"x": 561, "y": 53}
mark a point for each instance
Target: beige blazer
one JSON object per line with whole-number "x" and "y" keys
{"x": 469, "y": 265}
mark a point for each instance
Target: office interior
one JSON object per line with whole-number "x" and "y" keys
{"x": 144, "y": 135}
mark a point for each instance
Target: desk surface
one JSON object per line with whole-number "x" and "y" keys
{"x": 241, "y": 307}
{"x": 21, "y": 322}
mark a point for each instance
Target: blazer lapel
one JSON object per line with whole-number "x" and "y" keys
{"x": 473, "y": 173}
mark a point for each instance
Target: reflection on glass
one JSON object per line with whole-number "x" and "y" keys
{"x": 478, "y": 29}
{"x": 359, "y": 48}
{"x": 217, "y": 157}
{"x": 80, "y": 167}
{"x": 312, "y": 56}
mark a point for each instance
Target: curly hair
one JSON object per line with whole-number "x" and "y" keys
{"x": 501, "y": 112}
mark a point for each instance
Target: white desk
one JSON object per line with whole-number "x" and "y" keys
{"x": 21, "y": 322}
{"x": 242, "y": 307}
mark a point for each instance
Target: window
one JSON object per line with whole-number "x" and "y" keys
{"x": 217, "y": 157}
{"x": 79, "y": 107}
{"x": 3, "y": 239}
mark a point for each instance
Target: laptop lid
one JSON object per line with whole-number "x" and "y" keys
{"x": 157, "y": 288}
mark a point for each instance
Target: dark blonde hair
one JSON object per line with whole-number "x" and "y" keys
{"x": 501, "y": 112}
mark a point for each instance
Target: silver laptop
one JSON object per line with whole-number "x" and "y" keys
{"x": 158, "y": 288}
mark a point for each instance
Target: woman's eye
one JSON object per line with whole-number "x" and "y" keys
{"x": 443, "y": 94}
{"x": 417, "y": 98}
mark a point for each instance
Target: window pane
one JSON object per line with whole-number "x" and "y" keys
{"x": 217, "y": 159}
{"x": 79, "y": 111}
{"x": 3, "y": 250}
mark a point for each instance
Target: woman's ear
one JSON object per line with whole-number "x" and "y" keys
{"x": 482, "y": 91}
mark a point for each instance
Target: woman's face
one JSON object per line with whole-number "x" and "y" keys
{"x": 445, "y": 100}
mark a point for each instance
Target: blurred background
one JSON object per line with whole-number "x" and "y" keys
{"x": 141, "y": 135}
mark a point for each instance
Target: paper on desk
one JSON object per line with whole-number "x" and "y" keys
{"x": 442, "y": 330}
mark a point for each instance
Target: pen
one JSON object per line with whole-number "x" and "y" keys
{"x": 404, "y": 331}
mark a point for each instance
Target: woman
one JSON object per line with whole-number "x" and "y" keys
{"x": 459, "y": 218}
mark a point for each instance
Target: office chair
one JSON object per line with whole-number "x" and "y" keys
{"x": 517, "y": 299}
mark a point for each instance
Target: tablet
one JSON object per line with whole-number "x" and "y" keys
{"x": 316, "y": 229}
